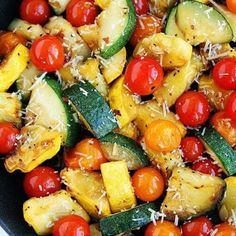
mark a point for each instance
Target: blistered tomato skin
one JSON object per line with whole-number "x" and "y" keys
{"x": 71, "y": 225}
{"x": 230, "y": 106}
{"x": 35, "y": 11}
{"x": 148, "y": 184}
{"x": 141, "y": 6}
{"x": 201, "y": 226}
{"x": 224, "y": 73}
{"x": 206, "y": 166}
{"x": 143, "y": 75}
{"x": 224, "y": 229}
{"x": 47, "y": 53}
{"x": 192, "y": 148}
{"x": 192, "y": 108}
{"x": 8, "y": 140}
{"x": 81, "y": 12}
{"x": 41, "y": 182}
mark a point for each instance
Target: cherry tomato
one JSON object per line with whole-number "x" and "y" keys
{"x": 192, "y": 148}
{"x": 71, "y": 225}
{"x": 143, "y": 75}
{"x": 141, "y": 6}
{"x": 148, "y": 184}
{"x": 81, "y": 12}
{"x": 164, "y": 228}
{"x": 162, "y": 136}
{"x": 231, "y": 4}
{"x": 192, "y": 108}
{"x": 8, "y": 137}
{"x": 47, "y": 53}
{"x": 87, "y": 155}
{"x": 41, "y": 182}
{"x": 201, "y": 226}
{"x": 230, "y": 106}
{"x": 35, "y": 11}
{"x": 224, "y": 73}
{"x": 225, "y": 126}
{"x": 8, "y": 41}
{"x": 146, "y": 25}
{"x": 224, "y": 229}
{"x": 207, "y": 166}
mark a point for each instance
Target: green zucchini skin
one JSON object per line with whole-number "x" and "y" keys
{"x": 109, "y": 51}
{"x": 128, "y": 220}
{"x": 220, "y": 147}
{"x": 136, "y": 157}
{"x": 72, "y": 126}
{"x": 92, "y": 107}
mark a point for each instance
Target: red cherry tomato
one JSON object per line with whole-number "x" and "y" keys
{"x": 8, "y": 134}
{"x": 224, "y": 73}
{"x": 35, "y": 11}
{"x": 207, "y": 166}
{"x": 230, "y": 106}
{"x": 192, "y": 148}
{"x": 192, "y": 108}
{"x": 231, "y": 4}
{"x": 198, "y": 227}
{"x": 41, "y": 181}
{"x": 141, "y": 6}
{"x": 47, "y": 53}
{"x": 71, "y": 225}
{"x": 148, "y": 184}
{"x": 164, "y": 228}
{"x": 146, "y": 25}
{"x": 224, "y": 229}
{"x": 81, "y": 12}
{"x": 143, "y": 75}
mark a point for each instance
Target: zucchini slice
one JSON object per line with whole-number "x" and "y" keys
{"x": 171, "y": 27}
{"x": 116, "y": 25}
{"x": 200, "y": 23}
{"x": 56, "y": 114}
{"x": 92, "y": 108}
{"x": 191, "y": 194}
{"x": 219, "y": 149}
{"x": 128, "y": 220}
{"x": 119, "y": 147}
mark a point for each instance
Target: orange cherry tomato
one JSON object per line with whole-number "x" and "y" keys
{"x": 224, "y": 229}
{"x": 225, "y": 126}
{"x": 164, "y": 228}
{"x": 87, "y": 155}
{"x": 146, "y": 25}
{"x": 162, "y": 136}
{"x": 8, "y": 41}
{"x": 231, "y": 4}
{"x": 148, "y": 184}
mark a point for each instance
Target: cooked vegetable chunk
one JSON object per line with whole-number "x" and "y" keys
{"x": 160, "y": 7}
{"x": 118, "y": 186}
{"x": 37, "y": 144}
{"x": 171, "y": 51}
{"x": 10, "y": 108}
{"x": 88, "y": 189}
{"x": 13, "y": 66}
{"x": 191, "y": 193}
{"x": 58, "y": 6}
{"x": 41, "y": 213}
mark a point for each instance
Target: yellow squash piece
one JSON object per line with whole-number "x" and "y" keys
{"x": 42, "y": 213}
{"x": 215, "y": 95}
{"x": 227, "y": 209}
{"x": 88, "y": 189}
{"x": 122, "y": 103}
{"x": 129, "y": 130}
{"x": 10, "y": 108}
{"x": 13, "y": 66}
{"x": 171, "y": 51}
{"x": 118, "y": 186}
{"x": 102, "y": 3}
{"x": 37, "y": 144}
{"x": 113, "y": 67}
{"x": 179, "y": 80}
{"x": 160, "y": 7}
{"x": 150, "y": 111}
